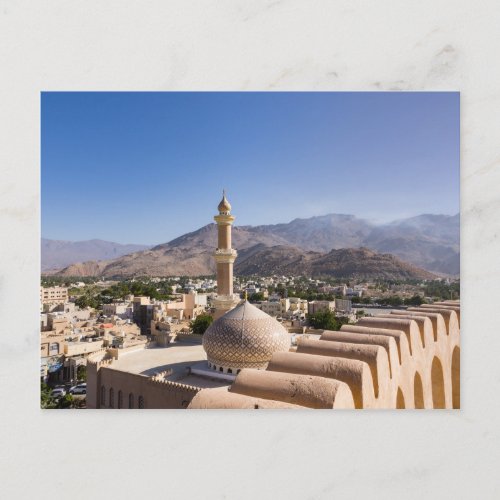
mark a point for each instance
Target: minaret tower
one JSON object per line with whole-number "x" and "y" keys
{"x": 224, "y": 259}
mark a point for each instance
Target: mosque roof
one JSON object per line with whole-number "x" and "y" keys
{"x": 245, "y": 337}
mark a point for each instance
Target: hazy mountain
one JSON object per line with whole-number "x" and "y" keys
{"x": 57, "y": 253}
{"x": 206, "y": 237}
{"x": 322, "y": 233}
{"x": 429, "y": 242}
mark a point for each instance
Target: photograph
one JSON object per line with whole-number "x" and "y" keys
{"x": 250, "y": 250}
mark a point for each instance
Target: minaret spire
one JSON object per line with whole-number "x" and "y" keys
{"x": 224, "y": 259}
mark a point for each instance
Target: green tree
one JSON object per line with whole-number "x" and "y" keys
{"x": 326, "y": 320}
{"x": 256, "y": 297}
{"x": 416, "y": 300}
{"x": 81, "y": 373}
{"x": 46, "y": 400}
{"x": 201, "y": 323}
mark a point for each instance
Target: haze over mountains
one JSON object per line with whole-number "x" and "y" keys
{"x": 58, "y": 253}
{"x": 430, "y": 242}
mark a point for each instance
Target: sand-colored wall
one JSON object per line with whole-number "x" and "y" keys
{"x": 406, "y": 359}
{"x": 155, "y": 392}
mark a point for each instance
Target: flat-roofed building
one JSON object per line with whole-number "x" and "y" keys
{"x": 53, "y": 295}
{"x": 320, "y": 305}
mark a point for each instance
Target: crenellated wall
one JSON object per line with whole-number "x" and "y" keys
{"x": 403, "y": 360}
{"x": 114, "y": 389}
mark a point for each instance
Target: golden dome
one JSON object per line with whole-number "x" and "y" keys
{"x": 245, "y": 337}
{"x": 224, "y": 205}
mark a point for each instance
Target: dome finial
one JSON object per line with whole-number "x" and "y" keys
{"x": 224, "y": 205}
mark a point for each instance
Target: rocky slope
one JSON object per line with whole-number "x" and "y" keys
{"x": 341, "y": 263}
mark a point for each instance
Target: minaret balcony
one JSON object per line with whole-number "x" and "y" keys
{"x": 224, "y": 219}
{"x": 226, "y": 251}
{"x": 225, "y": 255}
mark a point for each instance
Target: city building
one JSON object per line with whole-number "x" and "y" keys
{"x": 123, "y": 310}
{"x": 315, "y": 306}
{"x": 52, "y": 295}
{"x": 343, "y": 305}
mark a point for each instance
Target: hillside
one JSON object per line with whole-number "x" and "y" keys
{"x": 341, "y": 263}
{"x": 190, "y": 255}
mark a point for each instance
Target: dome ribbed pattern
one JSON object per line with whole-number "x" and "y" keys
{"x": 244, "y": 337}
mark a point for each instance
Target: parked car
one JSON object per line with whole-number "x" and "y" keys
{"x": 79, "y": 389}
{"x": 58, "y": 392}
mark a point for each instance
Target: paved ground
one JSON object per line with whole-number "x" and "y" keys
{"x": 150, "y": 361}
{"x": 178, "y": 357}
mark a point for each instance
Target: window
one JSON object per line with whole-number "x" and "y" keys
{"x": 54, "y": 348}
{"x": 130, "y": 400}
{"x": 120, "y": 399}
{"x": 111, "y": 398}
{"x": 103, "y": 395}
{"x": 140, "y": 402}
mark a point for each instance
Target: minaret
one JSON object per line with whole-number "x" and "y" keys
{"x": 224, "y": 259}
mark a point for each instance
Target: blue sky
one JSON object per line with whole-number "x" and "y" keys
{"x": 149, "y": 166}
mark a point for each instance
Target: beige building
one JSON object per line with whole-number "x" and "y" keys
{"x": 52, "y": 295}
{"x": 320, "y": 305}
{"x": 278, "y": 308}
{"x": 298, "y": 307}
{"x": 121, "y": 309}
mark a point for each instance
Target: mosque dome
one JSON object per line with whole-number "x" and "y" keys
{"x": 245, "y": 337}
{"x": 224, "y": 205}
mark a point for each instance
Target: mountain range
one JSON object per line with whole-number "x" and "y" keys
{"x": 318, "y": 245}
{"x": 58, "y": 253}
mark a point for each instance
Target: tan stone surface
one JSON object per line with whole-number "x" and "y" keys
{"x": 304, "y": 390}
{"x": 222, "y": 399}
{"x": 356, "y": 374}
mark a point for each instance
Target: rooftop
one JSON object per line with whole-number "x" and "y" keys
{"x": 177, "y": 357}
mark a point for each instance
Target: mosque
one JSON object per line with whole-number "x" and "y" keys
{"x": 241, "y": 337}
{"x": 406, "y": 359}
